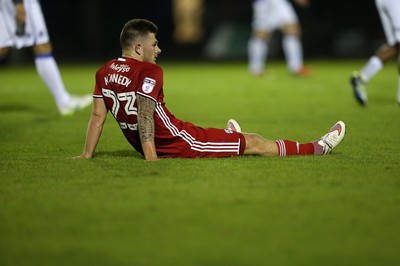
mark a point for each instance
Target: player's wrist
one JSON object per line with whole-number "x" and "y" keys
{"x": 151, "y": 158}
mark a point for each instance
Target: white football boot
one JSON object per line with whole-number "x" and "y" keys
{"x": 331, "y": 139}
{"x": 76, "y": 103}
{"x": 233, "y": 125}
{"x": 359, "y": 88}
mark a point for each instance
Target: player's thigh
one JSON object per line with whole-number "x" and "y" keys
{"x": 196, "y": 142}
{"x": 263, "y": 16}
{"x": 285, "y": 14}
{"x": 7, "y": 29}
{"x": 216, "y": 142}
{"x": 272, "y": 15}
{"x": 36, "y": 25}
{"x": 388, "y": 11}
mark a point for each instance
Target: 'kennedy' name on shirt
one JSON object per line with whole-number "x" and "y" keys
{"x": 116, "y": 78}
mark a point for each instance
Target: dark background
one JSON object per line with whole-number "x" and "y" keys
{"x": 89, "y": 29}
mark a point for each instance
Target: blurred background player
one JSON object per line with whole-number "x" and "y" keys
{"x": 389, "y": 12}
{"x": 22, "y": 25}
{"x": 268, "y": 16}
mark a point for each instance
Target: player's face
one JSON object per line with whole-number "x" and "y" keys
{"x": 150, "y": 49}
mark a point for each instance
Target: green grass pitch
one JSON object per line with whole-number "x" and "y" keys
{"x": 117, "y": 209}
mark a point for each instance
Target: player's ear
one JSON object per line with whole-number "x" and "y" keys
{"x": 138, "y": 48}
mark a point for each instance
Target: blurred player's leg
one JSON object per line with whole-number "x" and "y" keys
{"x": 388, "y": 12}
{"x": 293, "y": 49}
{"x": 257, "y": 51}
{"x": 373, "y": 66}
{"x": 293, "y": 52}
{"x": 48, "y": 71}
{"x": 359, "y": 80}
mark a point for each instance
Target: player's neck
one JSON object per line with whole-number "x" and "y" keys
{"x": 131, "y": 54}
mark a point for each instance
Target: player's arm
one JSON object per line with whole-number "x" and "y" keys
{"x": 95, "y": 127}
{"x": 146, "y": 109}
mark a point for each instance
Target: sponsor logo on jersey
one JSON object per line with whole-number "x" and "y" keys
{"x": 148, "y": 85}
{"x": 120, "y": 68}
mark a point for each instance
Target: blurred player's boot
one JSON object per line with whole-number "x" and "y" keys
{"x": 359, "y": 88}
{"x": 331, "y": 139}
{"x": 258, "y": 74}
{"x": 303, "y": 72}
{"x": 233, "y": 125}
{"x": 76, "y": 103}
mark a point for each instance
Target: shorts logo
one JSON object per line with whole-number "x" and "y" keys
{"x": 148, "y": 85}
{"x": 228, "y": 131}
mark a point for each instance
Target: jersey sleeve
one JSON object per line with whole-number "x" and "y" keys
{"x": 150, "y": 82}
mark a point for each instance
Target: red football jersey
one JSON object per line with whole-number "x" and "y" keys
{"x": 119, "y": 81}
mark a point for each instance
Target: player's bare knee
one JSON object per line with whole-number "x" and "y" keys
{"x": 257, "y": 145}
{"x": 3, "y": 52}
{"x": 292, "y": 29}
{"x": 44, "y": 48}
{"x": 261, "y": 34}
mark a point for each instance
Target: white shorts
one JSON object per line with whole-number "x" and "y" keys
{"x": 35, "y": 26}
{"x": 389, "y": 11}
{"x": 269, "y": 15}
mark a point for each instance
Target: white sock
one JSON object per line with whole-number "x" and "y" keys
{"x": 258, "y": 50}
{"x": 48, "y": 70}
{"x": 372, "y": 67}
{"x": 293, "y": 52}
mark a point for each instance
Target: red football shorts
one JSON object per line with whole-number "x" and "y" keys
{"x": 193, "y": 142}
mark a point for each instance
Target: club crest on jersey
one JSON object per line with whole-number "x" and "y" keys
{"x": 148, "y": 85}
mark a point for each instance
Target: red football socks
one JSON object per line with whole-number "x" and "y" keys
{"x": 288, "y": 147}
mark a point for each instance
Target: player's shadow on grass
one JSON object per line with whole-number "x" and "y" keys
{"x": 20, "y": 108}
{"x": 381, "y": 100}
{"x": 29, "y": 112}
